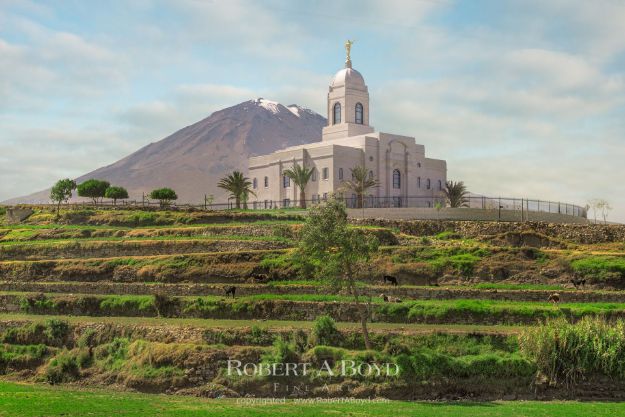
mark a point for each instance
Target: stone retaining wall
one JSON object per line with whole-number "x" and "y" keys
{"x": 578, "y": 233}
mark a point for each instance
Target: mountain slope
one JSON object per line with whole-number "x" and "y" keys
{"x": 193, "y": 159}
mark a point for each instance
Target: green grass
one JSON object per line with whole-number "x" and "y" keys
{"x": 502, "y": 286}
{"x": 23, "y": 226}
{"x": 600, "y": 268}
{"x": 73, "y": 241}
{"x": 266, "y": 324}
{"x": 21, "y": 400}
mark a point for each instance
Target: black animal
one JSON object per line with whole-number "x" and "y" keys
{"x": 554, "y": 298}
{"x": 390, "y": 279}
{"x": 230, "y": 291}
{"x": 578, "y": 282}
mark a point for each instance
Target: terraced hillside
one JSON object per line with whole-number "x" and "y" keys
{"x": 137, "y": 299}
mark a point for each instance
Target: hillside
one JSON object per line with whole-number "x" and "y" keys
{"x": 192, "y": 159}
{"x": 133, "y": 299}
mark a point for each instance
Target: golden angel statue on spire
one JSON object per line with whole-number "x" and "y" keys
{"x": 348, "y": 48}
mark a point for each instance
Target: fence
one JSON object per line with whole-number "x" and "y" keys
{"x": 479, "y": 202}
{"x": 476, "y": 202}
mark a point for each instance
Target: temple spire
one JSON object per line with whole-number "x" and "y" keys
{"x": 348, "y": 49}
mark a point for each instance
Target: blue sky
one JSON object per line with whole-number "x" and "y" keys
{"x": 523, "y": 98}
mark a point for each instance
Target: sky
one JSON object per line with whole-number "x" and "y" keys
{"x": 522, "y": 98}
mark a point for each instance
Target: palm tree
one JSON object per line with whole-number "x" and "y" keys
{"x": 360, "y": 184}
{"x": 300, "y": 176}
{"x": 238, "y": 185}
{"x": 456, "y": 194}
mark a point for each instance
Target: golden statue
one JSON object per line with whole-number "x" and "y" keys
{"x": 348, "y": 48}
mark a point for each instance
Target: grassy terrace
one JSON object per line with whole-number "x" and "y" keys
{"x": 95, "y": 240}
{"x": 135, "y": 299}
{"x": 265, "y": 324}
{"x": 304, "y": 306}
{"x": 25, "y": 400}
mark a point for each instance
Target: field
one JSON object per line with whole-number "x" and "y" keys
{"x": 130, "y": 300}
{"x": 17, "y": 400}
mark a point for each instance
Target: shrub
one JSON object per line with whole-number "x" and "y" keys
{"x": 283, "y": 351}
{"x": 62, "y": 368}
{"x": 36, "y": 302}
{"x": 324, "y": 331}
{"x": 567, "y": 352}
{"x": 57, "y": 330}
{"x": 112, "y": 356}
{"x": 320, "y": 354}
{"x": 17, "y": 356}
{"x": 260, "y": 336}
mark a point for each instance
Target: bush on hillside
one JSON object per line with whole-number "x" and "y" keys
{"x": 324, "y": 332}
{"x": 570, "y": 352}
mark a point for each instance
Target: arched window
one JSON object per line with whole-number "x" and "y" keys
{"x": 370, "y": 175}
{"x": 337, "y": 113}
{"x": 396, "y": 179}
{"x": 428, "y": 184}
{"x": 266, "y": 181}
{"x": 359, "y": 114}
{"x": 314, "y": 175}
{"x": 340, "y": 173}
{"x": 286, "y": 181}
{"x": 440, "y": 185}
{"x": 254, "y": 184}
{"x": 418, "y": 182}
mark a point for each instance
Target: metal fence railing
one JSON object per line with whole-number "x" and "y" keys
{"x": 474, "y": 202}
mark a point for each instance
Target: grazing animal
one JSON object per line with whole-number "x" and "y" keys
{"x": 578, "y": 282}
{"x": 390, "y": 279}
{"x": 230, "y": 291}
{"x": 389, "y": 299}
{"x": 554, "y": 298}
{"x": 260, "y": 278}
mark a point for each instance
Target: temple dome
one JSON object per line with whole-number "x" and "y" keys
{"x": 350, "y": 78}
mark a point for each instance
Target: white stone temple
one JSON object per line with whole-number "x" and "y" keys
{"x": 405, "y": 176}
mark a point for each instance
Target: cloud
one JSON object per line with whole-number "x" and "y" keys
{"x": 521, "y": 97}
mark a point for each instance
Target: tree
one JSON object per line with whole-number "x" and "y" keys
{"x": 456, "y": 194}
{"x": 239, "y": 187}
{"x": 62, "y": 192}
{"x": 164, "y": 196}
{"x": 93, "y": 189}
{"x": 116, "y": 193}
{"x": 360, "y": 183}
{"x": 300, "y": 176}
{"x": 601, "y": 206}
{"x": 336, "y": 253}
{"x": 605, "y": 208}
